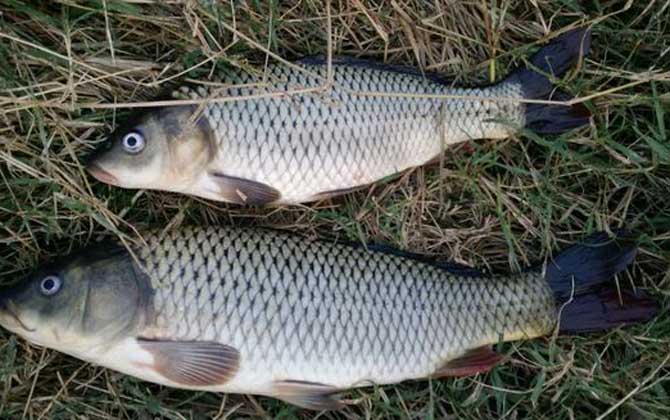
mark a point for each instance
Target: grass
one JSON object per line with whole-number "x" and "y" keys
{"x": 500, "y": 205}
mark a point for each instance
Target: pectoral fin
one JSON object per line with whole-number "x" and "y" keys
{"x": 478, "y": 360}
{"x": 310, "y": 395}
{"x": 193, "y": 363}
{"x": 244, "y": 191}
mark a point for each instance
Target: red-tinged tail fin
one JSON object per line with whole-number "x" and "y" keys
{"x": 578, "y": 276}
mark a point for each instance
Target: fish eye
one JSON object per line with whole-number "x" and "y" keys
{"x": 133, "y": 142}
{"x": 50, "y": 285}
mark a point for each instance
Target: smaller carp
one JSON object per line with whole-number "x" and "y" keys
{"x": 278, "y": 146}
{"x": 262, "y": 312}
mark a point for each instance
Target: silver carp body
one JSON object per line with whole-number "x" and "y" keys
{"x": 330, "y": 314}
{"x": 280, "y": 139}
{"x": 318, "y": 145}
{"x": 262, "y": 312}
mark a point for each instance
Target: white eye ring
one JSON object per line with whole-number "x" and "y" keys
{"x": 50, "y": 285}
{"x": 133, "y": 142}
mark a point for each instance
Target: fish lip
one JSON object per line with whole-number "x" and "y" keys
{"x": 5, "y": 307}
{"x": 101, "y": 174}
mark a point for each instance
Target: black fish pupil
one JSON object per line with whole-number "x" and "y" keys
{"x": 48, "y": 284}
{"x": 131, "y": 141}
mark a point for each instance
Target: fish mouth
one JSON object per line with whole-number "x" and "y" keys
{"x": 5, "y": 307}
{"x": 101, "y": 174}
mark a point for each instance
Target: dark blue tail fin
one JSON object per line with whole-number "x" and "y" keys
{"x": 593, "y": 262}
{"x": 577, "y": 276}
{"x": 551, "y": 62}
{"x": 605, "y": 308}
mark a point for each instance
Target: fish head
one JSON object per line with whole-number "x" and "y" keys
{"x": 163, "y": 148}
{"x": 78, "y": 306}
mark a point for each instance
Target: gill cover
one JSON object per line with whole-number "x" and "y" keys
{"x": 91, "y": 299}
{"x": 162, "y": 148}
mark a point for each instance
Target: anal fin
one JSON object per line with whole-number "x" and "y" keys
{"x": 310, "y": 395}
{"x": 474, "y": 361}
{"x": 244, "y": 191}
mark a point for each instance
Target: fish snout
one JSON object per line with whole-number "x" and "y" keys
{"x": 9, "y": 317}
{"x": 101, "y": 174}
{"x": 3, "y": 310}
{"x": 94, "y": 164}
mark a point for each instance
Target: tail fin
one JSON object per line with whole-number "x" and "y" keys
{"x": 577, "y": 275}
{"x": 604, "y": 309}
{"x": 589, "y": 264}
{"x": 553, "y": 60}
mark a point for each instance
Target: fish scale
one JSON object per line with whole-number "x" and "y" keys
{"x": 329, "y": 313}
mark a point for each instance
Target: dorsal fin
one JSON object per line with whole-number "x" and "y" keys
{"x": 452, "y": 267}
{"x": 339, "y": 60}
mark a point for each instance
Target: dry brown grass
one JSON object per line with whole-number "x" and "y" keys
{"x": 65, "y": 67}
